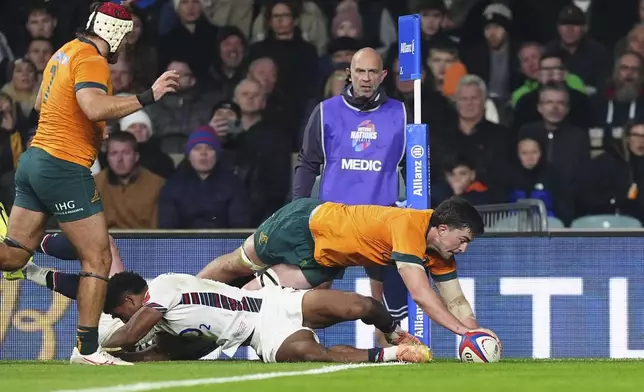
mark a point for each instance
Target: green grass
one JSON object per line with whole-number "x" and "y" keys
{"x": 508, "y": 375}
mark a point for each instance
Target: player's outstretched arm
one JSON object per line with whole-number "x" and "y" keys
{"x": 134, "y": 330}
{"x": 452, "y": 295}
{"x": 421, "y": 292}
{"x": 98, "y": 106}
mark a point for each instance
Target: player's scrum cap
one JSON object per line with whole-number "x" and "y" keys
{"x": 111, "y": 22}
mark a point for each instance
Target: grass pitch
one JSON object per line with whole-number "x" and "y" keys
{"x": 441, "y": 375}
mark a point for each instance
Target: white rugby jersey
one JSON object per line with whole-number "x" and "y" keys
{"x": 199, "y": 307}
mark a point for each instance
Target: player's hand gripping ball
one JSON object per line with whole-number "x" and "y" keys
{"x": 479, "y": 347}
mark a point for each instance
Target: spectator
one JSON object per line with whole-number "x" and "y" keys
{"x": 379, "y": 29}
{"x": 226, "y": 122}
{"x": 13, "y": 136}
{"x": 534, "y": 178}
{"x": 295, "y": 58}
{"x": 142, "y": 57}
{"x": 620, "y": 103}
{"x": 232, "y": 13}
{"x": 530, "y": 55}
{"x": 433, "y": 14}
{"x": 495, "y": 61}
{"x": 229, "y": 67}
{"x": 347, "y": 23}
{"x": 553, "y": 71}
{"x": 184, "y": 110}
{"x": 192, "y": 40}
{"x": 260, "y": 153}
{"x": 583, "y": 56}
{"x": 567, "y": 147}
{"x": 202, "y": 194}
{"x": 39, "y": 52}
{"x": 41, "y": 23}
{"x": 634, "y": 41}
{"x": 613, "y": 182}
{"x": 122, "y": 75}
{"x": 23, "y": 90}
{"x": 339, "y": 51}
{"x": 488, "y": 144}
{"x": 150, "y": 155}
{"x": 6, "y": 58}
{"x": 460, "y": 180}
{"x": 439, "y": 58}
{"x": 129, "y": 192}
{"x": 308, "y": 17}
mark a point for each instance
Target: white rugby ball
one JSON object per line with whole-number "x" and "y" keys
{"x": 479, "y": 347}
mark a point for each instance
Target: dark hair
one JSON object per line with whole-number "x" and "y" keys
{"x": 121, "y": 284}
{"x": 123, "y": 137}
{"x": 459, "y": 160}
{"x": 294, "y": 5}
{"x": 458, "y": 213}
{"x": 552, "y": 54}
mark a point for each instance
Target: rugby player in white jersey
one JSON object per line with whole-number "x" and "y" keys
{"x": 276, "y": 322}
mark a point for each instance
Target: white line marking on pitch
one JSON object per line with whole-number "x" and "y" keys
{"x": 149, "y": 386}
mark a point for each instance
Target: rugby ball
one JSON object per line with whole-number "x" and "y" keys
{"x": 479, "y": 347}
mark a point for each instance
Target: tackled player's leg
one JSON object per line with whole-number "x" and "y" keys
{"x": 288, "y": 317}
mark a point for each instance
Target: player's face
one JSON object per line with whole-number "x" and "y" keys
{"x": 130, "y": 305}
{"x": 452, "y": 241}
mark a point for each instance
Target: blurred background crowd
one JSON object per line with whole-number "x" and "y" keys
{"x": 524, "y": 99}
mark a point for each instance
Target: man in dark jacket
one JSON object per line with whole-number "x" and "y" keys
{"x": 566, "y": 148}
{"x": 202, "y": 194}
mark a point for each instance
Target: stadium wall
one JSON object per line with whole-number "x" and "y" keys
{"x": 561, "y": 295}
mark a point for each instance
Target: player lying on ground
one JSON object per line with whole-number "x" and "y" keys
{"x": 276, "y": 322}
{"x": 164, "y": 346}
{"x": 308, "y": 242}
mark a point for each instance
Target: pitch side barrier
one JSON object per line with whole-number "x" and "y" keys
{"x": 554, "y": 294}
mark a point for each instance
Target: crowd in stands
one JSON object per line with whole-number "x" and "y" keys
{"x": 523, "y": 98}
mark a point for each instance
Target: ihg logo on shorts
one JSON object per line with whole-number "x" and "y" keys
{"x": 66, "y": 207}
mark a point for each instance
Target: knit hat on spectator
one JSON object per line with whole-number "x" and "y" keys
{"x": 571, "y": 15}
{"x": 203, "y": 135}
{"x": 348, "y": 15}
{"x": 138, "y": 117}
{"x": 498, "y": 14}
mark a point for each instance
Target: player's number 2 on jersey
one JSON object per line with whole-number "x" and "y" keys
{"x": 52, "y": 70}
